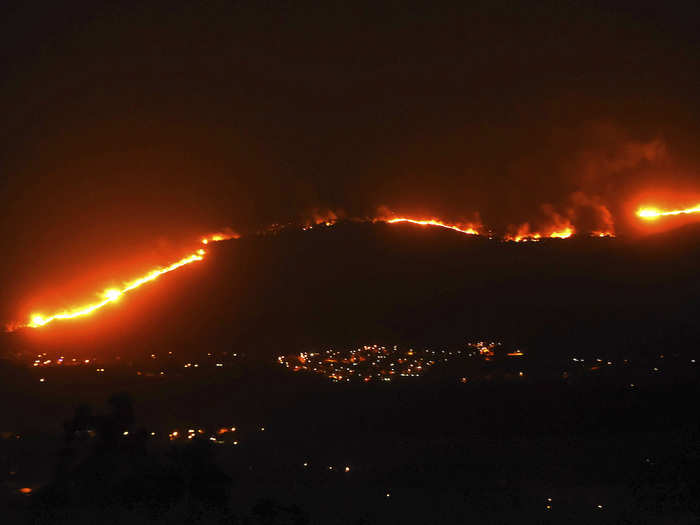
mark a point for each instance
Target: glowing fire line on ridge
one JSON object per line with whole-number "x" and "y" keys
{"x": 433, "y": 222}
{"x": 113, "y": 294}
{"x": 564, "y": 232}
{"x": 524, "y": 234}
{"x": 654, "y": 213}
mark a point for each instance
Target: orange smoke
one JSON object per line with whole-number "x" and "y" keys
{"x": 655, "y": 213}
{"x": 466, "y": 229}
{"x": 327, "y": 217}
{"x": 559, "y": 226}
{"x": 591, "y": 213}
{"x": 588, "y": 213}
{"x": 320, "y": 217}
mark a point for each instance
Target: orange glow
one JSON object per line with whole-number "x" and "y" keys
{"x": 25, "y": 490}
{"x": 655, "y": 213}
{"x": 524, "y": 234}
{"x": 602, "y": 234}
{"x": 559, "y": 228}
{"x": 562, "y": 234}
{"x": 223, "y": 235}
{"x": 112, "y": 295}
{"x": 468, "y": 229}
{"x": 324, "y": 217}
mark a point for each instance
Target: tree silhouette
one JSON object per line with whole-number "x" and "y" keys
{"x": 269, "y": 512}
{"x": 110, "y": 472}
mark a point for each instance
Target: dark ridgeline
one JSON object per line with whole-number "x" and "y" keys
{"x": 355, "y": 284}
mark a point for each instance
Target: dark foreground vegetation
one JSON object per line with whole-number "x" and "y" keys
{"x": 487, "y": 453}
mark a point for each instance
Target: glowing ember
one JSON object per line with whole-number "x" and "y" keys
{"x": 655, "y": 213}
{"x": 468, "y": 230}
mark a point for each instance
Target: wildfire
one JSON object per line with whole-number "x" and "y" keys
{"x": 113, "y": 294}
{"x": 321, "y": 217}
{"x": 223, "y": 235}
{"x": 524, "y": 234}
{"x": 655, "y": 213}
{"x": 602, "y": 233}
{"x": 468, "y": 230}
{"x": 559, "y": 228}
{"x": 562, "y": 234}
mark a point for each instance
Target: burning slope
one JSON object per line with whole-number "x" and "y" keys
{"x": 525, "y": 234}
{"x": 114, "y": 294}
{"x": 466, "y": 229}
{"x": 654, "y": 213}
{"x": 223, "y": 235}
{"x": 558, "y": 227}
{"x": 581, "y": 214}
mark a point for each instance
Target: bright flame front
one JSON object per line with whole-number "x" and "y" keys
{"x": 563, "y": 230}
{"x": 468, "y": 230}
{"x": 113, "y": 294}
{"x": 655, "y": 213}
{"x": 562, "y": 234}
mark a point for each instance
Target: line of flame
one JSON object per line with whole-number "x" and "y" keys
{"x": 433, "y": 222}
{"x": 114, "y": 294}
{"x": 564, "y": 233}
{"x": 221, "y": 236}
{"x": 654, "y": 213}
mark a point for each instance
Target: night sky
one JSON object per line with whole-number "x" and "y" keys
{"x": 130, "y": 129}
